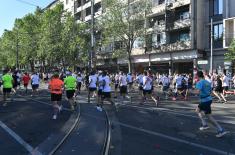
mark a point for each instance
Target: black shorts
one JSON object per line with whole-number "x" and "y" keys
{"x": 147, "y": 91}
{"x": 140, "y": 87}
{"x": 106, "y": 95}
{"x": 165, "y": 88}
{"x": 79, "y": 84}
{"x": 225, "y": 88}
{"x": 180, "y": 89}
{"x": 35, "y": 86}
{"x": 92, "y": 89}
{"x": 130, "y": 83}
{"x": 205, "y": 106}
{"x": 100, "y": 93}
{"x": 219, "y": 89}
{"x": 6, "y": 90}
{"x": 116, "y": 86}
{"x": 70, "y": 93}
{"x": 123, "y": 89}
{"x": 56, "y": 97}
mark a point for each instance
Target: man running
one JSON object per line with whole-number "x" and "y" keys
{"x": 123, "y": 84}
{"x": 7, "y": 82}
{"x": 106, "y": 90}
{"x": 26, "y": 80}
{"x": 56, "y": 86}
{"x": 79, "y": 83}
{"x": 204, "y": 108}
{"x": 100, "y": 88}
{"x": 139, "y": 80}
{"x": 35, "y": 80}
{"x": 92, "y": 84}
{"x": 70, "y": 86}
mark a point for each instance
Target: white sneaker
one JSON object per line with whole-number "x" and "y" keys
{"x": 54, "y": 117}
{"x": 60, "y": 108}
{"x": 99, "y": 108}
{"x": 204, "y": 127}
{"x": 221, "y": 133}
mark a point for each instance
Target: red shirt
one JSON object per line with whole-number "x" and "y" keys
{"x": 26, "y": 79}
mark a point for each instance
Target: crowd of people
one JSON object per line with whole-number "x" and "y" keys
{"x": 99, "y": 85}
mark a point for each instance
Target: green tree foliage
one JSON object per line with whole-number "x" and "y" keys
{"x": 50, "y": 37}
{"x": 123, "y": 21}
{"x": 230, "y": 55}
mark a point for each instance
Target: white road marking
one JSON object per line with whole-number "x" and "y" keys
{"x": 176, "y": 139}
{"x": 27, "y": 146}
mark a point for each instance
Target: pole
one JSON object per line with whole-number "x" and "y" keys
{"x": 211, "y": 60}
{"x": 17, "y": 50}
{"x": 92, "y": 54}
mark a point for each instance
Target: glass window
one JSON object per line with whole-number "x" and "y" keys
{"x": 218, "y": 7}
{"x": 184, "y": 15}
{"x": 218, "y": 32}
{"x": 184, "y": 36}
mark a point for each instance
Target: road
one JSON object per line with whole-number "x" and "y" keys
{"x": 171, "y": 128}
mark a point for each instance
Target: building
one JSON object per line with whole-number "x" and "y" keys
{"x": 179, "y": 34}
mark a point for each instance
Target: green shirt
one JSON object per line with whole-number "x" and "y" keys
{"x": 7, "y": 81}
{"x": 70, "y": 83}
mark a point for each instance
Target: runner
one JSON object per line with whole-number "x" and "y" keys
{"x": 7, "y": 82}
{"x": 123, "y": 84}
{"x": 70, "y": 86}
{"x": 165, "y": 85}
{"x": 139, "y": 80}
{"x": 106, "y": 90}
{"x": 79, "y": 83}
{"x": 129, "y": 82}
{"x": 15, "y": 81}
{"x": 148, "y": 87}
{"x": 116, "y": 83}
{"x": 218, "y": 91}
{"x": 100, "y": 88}
{"x": 35, "y": 80}
{"x": 56, "y": 86}
{"x": 92, "y": 84}
{"x": 26, "y": 80}
{"x": 204, "y": 90}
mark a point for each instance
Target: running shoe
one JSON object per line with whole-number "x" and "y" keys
{"x": 205, "y": 127}
{"x": 60, "y": 108}
{"x": 72, "y": 108}
{"x": 54, "y": 117}
{"x": 221, "y": 133}
{"x": 99, "y": 108}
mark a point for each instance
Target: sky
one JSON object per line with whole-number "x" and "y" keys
{"x": 12, "y": 9}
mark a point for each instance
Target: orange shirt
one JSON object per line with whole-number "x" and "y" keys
{"x": 56, "y": 86}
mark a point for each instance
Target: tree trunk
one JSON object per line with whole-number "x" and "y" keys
{"x": 129, "y": 62}
{"x": 32, "y": 65}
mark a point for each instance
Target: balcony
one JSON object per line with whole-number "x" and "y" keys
{"x": 177, "y": 46}
{"x": 179, "y": 3}
{"x": 179, "y": 24}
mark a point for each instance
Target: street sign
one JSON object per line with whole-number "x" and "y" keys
{"x": 202, "y": 62}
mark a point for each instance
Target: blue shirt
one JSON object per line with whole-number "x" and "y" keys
{"x": 205, "y": 90}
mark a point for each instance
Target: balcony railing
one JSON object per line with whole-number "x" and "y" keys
{"x": 177, "y": 46}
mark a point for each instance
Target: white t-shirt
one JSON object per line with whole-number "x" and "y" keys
{"x": 79, "y": 79}
{"x": 122, "y": 80}
{"x": 140, "y": 79}
{"x": 92, "y": 81}
{"x": 178, "y": 81}
{"x": 35, "y": 79}
{"x": 116, "y": 78}
{"x": 107, "y": 81}
{"x": 165, "y": 81}
{"x": 129, "y": 78}
{"x": 100, "y": 82}
{"x": 225, "y": 81}
{"x": 147, "y": 81}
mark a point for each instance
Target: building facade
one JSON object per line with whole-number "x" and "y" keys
{"x": 178, "y": 32}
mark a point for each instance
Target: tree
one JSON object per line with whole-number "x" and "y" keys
{"x": 230, "y": 55}
{"x": 124, "y": 21}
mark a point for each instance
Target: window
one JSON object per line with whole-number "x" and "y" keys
{"x": 88, "y": 11}
{"x": 184, "y": 15}
{"x": 218, "y": 32}
{"x": 217, "y": 7}
{"x": 184, "y": 37}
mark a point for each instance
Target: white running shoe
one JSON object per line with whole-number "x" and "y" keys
{"x": 204, "y": 127}
{"x": 221, "y": 133}
{"x": 99, "y": 108}
{"x": 54, "y": 117}
{"x": 60, "y": 108}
